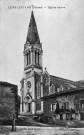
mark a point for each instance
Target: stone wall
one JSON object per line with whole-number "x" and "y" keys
{"x": 8, "y": 101}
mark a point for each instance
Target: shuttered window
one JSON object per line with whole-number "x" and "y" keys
{"x": 53, "y": 107}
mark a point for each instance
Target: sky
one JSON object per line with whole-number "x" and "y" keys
{"x": 61, "y": 32}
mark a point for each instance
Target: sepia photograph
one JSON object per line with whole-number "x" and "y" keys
{"x": 41, "y": 67}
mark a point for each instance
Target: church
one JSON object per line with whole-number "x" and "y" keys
{"x": 40, "y": 91}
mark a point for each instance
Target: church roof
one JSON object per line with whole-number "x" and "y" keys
{"x": 65, "y": 83}
{"x": 62, "y": 86}
{"x": 80, "y": 83}
{"x": 61, "y": 82}
{"x": 32, "y": 35}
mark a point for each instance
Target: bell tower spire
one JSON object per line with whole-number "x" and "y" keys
{"x": 32, "y": 35}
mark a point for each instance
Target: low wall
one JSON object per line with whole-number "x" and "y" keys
{"x": 72, "y": 123}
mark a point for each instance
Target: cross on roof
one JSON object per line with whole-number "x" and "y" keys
{"x": 45, "y": 68}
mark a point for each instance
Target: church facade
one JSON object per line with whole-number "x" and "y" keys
{"x": 40, "y": 91}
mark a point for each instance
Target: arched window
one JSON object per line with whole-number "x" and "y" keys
{"x": 36, "y": 57}
{"x": 38, "y": 90}
{"x": 46, "y": 80}
{"x": 28, "y": 58}
{"x": 58, "y": 89}
{"x": 61, "y": 88}
{"x": 52, "y": 89}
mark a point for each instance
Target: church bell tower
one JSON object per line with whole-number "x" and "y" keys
{"x": 32, "y": 63}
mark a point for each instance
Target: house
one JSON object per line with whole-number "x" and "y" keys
{"x": 8, "y": 100}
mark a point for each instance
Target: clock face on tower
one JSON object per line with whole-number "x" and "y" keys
{"x": 29, "y": 84}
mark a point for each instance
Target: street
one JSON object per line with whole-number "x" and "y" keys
{"x": 35, "y": 130}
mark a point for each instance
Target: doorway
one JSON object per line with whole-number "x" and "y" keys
{"x": 29, "y": 107}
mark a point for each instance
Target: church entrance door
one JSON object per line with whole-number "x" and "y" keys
{"x": 29, "y": 102}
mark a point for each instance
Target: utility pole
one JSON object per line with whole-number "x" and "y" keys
{"x": 13, "y": 123}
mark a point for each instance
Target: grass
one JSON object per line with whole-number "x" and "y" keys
{"x": 28, "y": 121}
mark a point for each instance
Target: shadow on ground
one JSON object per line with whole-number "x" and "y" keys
{"x": 5, "y": 130}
